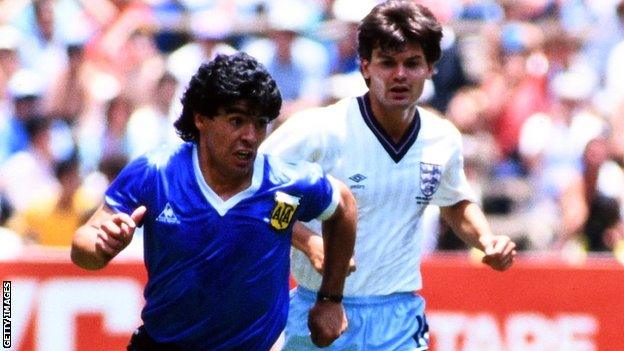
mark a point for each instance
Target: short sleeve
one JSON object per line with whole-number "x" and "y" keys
{"x": 127, "y": 191}
{"x": 321, "y": 195}
{"x": 454, "y": 186}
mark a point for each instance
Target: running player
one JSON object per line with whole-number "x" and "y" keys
{"x": 218, "y": 220}
{"x": 397, "y": 159}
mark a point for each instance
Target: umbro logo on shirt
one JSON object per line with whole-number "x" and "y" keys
{"x": 357, "y": 178}
{"x": 168, "y": 216}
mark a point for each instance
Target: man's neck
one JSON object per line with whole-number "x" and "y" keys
{"x": 395, "y": 122}
{"x": 224, "y": 185}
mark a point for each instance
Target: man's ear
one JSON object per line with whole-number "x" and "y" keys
{"x": 431, "y": 70}
{"x": 364, "y": 63}
{"x": 198, "y": 120}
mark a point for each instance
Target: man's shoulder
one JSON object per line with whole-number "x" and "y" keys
{"x": 322, "y": 114}
{"x": 288, "y": 171}
{"x": 166, "y": 158}
{"x": 168, "y": 154}
{"x": 432, "y": 122}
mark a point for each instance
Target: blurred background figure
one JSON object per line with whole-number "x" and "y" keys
{"x": 592, "y": 203}
{"x": 65, "y": 210}
{"x": 28, "y": 175}
{"x": 151, "y": 125}
{"x": 298, "y": 63}
{"x": 209, "y": 32}
{"x": 11, "y": 243}
{"x": 552, "y": 143}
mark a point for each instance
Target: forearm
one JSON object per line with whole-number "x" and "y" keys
{"x": 301, "y": 238}
{"x": 469, "y": 223}
{"x": 339, "y": 240}
{"x": 83, "y": 251}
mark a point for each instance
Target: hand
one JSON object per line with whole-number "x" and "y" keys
{"x": 326, "y": 321}
{"x": 499, "y": 252}
{"x": 116, "y": 233}
{"x": 316, "y": 255}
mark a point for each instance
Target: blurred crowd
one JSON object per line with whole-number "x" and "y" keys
{"x": 535, "y": 86}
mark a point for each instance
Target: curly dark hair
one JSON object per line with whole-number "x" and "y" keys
{"x": 394, "y": 24}
{"x": 222, "y": 82}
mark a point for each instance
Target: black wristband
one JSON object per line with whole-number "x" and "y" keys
{"x": 321, "y": 297}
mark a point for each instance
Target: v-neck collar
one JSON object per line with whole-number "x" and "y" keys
{"x": 396, "y": 151}
{"x": 211, "y": 196}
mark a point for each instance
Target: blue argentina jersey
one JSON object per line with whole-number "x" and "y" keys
{"x": 218, "y": 270}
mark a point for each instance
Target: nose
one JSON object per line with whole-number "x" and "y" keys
{"x": 400, "y": 73}
{"x": 250, "y": 134}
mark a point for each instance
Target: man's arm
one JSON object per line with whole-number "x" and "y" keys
{"x": 327, "y": 320}
{"x": 469, "y": 223}
{"x": 311, "y": 244}
{"x": 103, "y": 236}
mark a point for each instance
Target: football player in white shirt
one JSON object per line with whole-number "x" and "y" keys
{"x": 397, "y": 158}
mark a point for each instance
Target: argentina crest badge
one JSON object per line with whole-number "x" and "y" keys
{"x": 282, "y": 213}
{"x": 430, "y": 176}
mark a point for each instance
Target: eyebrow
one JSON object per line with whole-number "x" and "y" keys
{"x": 390, "y": 54}
{"x": 236, "y": 109}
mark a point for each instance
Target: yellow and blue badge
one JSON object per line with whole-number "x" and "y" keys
{"x": 285, "y": 207}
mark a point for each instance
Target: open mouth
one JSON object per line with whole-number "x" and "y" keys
{"x": 399, "y": 90}
{"x": 244, "y": 155}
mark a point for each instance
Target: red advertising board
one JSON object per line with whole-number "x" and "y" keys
{"x": 539, "y": 305}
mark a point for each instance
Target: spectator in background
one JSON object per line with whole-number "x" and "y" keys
{"x": 111, "y": 137}
{"x": 605, "y": 30}
{"x": 591, "y": 204}
{"x": 299, "y": 64}
{"x": 67, "y": 96}
{"x": 209, "y": 31}
{"x": 25, "y": 90}
{"x": 552, "y": 143}
{"x": 517, "y": 89}
{"x": 47, "y": 27}
{"x": 9, "y": 61}
{"x": 64, "y": 210}
{"x": 117, "y": 21}
{"x": 11, "y": 243}
{"x": 449, "y": 76}
{"x": 151, "y": 125}
{"x": 28, "y": 175}
{"x": 613, "y": 71}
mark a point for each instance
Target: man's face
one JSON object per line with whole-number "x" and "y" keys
{"x": 231, "y": 139}
{"x": 396, "y": 78}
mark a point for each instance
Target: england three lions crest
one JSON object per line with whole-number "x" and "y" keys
{"x": 430, "y": 176}
{"x": 282, "y": 213}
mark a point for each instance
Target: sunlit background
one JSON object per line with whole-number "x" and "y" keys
{"x": 535, "y": 86}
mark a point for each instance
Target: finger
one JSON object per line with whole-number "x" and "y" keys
{"x": 110, "y": 241}
{"x": 102, "y": 247}
{"x": 501, "y": 244}
{"x": 138, "y": 214}
{"x": 131, "y": 220}
{"x": 124, "y": 222}
{"x": 509, "y": 249}
{"x": 111, "y": 228}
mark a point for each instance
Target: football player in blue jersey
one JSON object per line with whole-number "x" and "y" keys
{"x": 217, "y": 221}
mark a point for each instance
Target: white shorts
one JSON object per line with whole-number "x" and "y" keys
{"x": 376, "y": 323}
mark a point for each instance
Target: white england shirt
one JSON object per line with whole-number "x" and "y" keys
{"x": 392, "y": 183}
